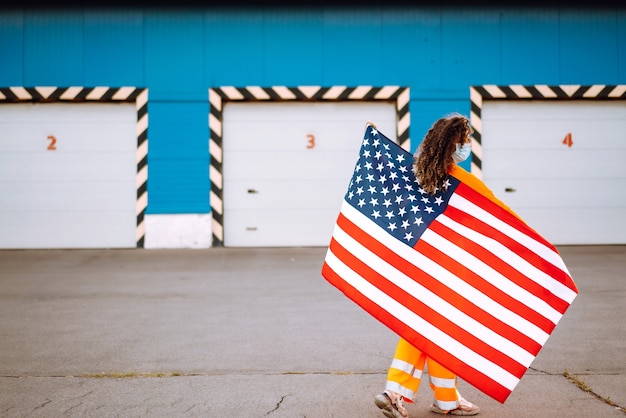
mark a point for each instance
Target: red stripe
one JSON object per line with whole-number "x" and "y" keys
{"x": 505, "y": 216}
{"x": 474, "y": 377}
{"x": 418, "y": 307}
{"x": 483, "y": 285}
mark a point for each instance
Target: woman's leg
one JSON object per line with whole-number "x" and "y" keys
{"x": 405, "y": 372}
{"x": 443, "y": 384}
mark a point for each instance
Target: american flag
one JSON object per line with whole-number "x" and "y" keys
{"x": 457, "y": 274}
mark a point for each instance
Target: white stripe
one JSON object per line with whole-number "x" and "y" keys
{"x": 494, "y": 90}
{"x": 334, "y": 92}
{"x": 492, "y": 276}
{"x": 215, "y": 100}
{"x": 309, "y": 91}
{"x": 71, "y": 93}
{"x": 398, "y": 388}
{"x": 402, "y": 365}
{"x": 97, "y": 93}
{"x": 359, "y": 92}
{"x": 441, "y": 382}
{"x": 557, "y": 288}
{"x": 215, "y": 150}
{"x": 570, "y": 89}
{"x": 218, "y": 230}
{"x": 123, "y": 93}
{"x": 618, "y": 90}
{"x": 521, "y": 91}
{"x": 284, "y": 93}
{"x": 546, "y": 91}
{"x": 593, "y": 90}
{"x": 386, "y": 92}
{"x": 45, "y": 91}
{"x": 446, "y": 405}
{"x": 21, "y": 93}
{"x": 415, "y": 322}
{"x": 258, "y": 93}
{"x": 216, "y": 204}
{"x": 232, "y": 93}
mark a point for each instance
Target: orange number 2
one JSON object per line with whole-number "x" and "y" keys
{"x": 52, "y": 145}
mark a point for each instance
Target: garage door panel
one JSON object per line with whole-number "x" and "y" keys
{"x": 27, "y": 196}
{"x": 67, "y": 167}
{"x": 265, "y": 228}
{"x": 89, "y": 229}
{"x": 297, "y": 194}
{"x": 287, "y": 126}
{"x": 565, "y": 164}
{"x": 523, "y": 193}
{"x": 278, "y": 165}
{"x": 576, "y": 226}
{"x": 68, "y": 174}
{"x": 549, "y": 135}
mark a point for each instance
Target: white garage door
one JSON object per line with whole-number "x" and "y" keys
{"x": 560, "y": 165}
{"x": 287, "y": 167}
{"x": 67, "y": 175}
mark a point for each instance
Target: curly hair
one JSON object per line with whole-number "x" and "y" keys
{"x": 435, "y": 152}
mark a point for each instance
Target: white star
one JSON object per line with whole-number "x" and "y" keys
{"x": 380, "y": 167}
{"x": 405, "y": 224}
{"x": 366, "y": 141}
{"x": 389, "y": 214}
{"x": 392, "y": 226}
{"x": 402, "y": 168}
{"x": 390, "y": 164}
{"x": 376, "y": 214}
{"x": 387, "y": 203}
{"x": 372, "y": 189}
{"x": 358, "y": 179}
{"x": 415, "y": 209}
{"x": 368, "y": 165}
{"x": 359, "y": 190}
{"x": 408, "y": 236}
{"x": 447, "y": 184}
{"x": 378, "y": 154}
{"x": 429, "y": 209}
{"x": 422, "y": 191}
{"x": 412, "y": 198}
{"x": 395, "y": 187}
{"x": 386, "y": 146}
{"x": 438, "y": 200}
{"x": 393, "y": 175}
{"x": 382, "y": 179}
{"x": 376, "y": 142}
{"x": 370, "y": 177}
{"x": 374, "y": 131}
{"x": 350, "y": 195}
{"x": 425, "y": 199}
{"x": 409, "y": 187}
{"x": 385, "y": 191}
{"x": 401, "y": 211}
{"x": 406, "y": 178}
{"x": 366, "y": 153}
{"x": 361, "y": 203}
{"x": 358, "y": 167}
{"x": 400, "y": 158}
{"x": 374, "y": 202}
{"x": 418, "y": 221}
{"x": 399, "y": 199}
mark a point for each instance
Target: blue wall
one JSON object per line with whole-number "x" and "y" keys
{"x": 179, "y": 53}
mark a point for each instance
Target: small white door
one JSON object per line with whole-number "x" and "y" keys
{"x": 287, "y": 166}
{"x": 560, "y": 166}
{"x": 68, "y": 175}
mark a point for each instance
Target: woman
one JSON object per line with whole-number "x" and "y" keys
{"x": 446, "y": 143}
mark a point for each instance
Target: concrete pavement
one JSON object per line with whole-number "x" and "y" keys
{"x": 258, "y": 332}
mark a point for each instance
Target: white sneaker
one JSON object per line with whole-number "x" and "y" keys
{"x": 464, "y": 408}
{"x": 391, "y": 404}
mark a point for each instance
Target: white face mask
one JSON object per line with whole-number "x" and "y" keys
{"x": 462, "y": 152}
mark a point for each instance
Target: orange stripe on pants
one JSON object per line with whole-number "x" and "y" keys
{"x": 404, "y": 376}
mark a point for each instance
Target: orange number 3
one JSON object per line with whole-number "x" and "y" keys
{"x": 311, "y": 142}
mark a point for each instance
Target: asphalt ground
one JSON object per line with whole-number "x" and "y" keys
{"x": 256, "y": 332}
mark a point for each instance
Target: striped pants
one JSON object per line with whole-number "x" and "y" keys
{"x": 405, "y": 374}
